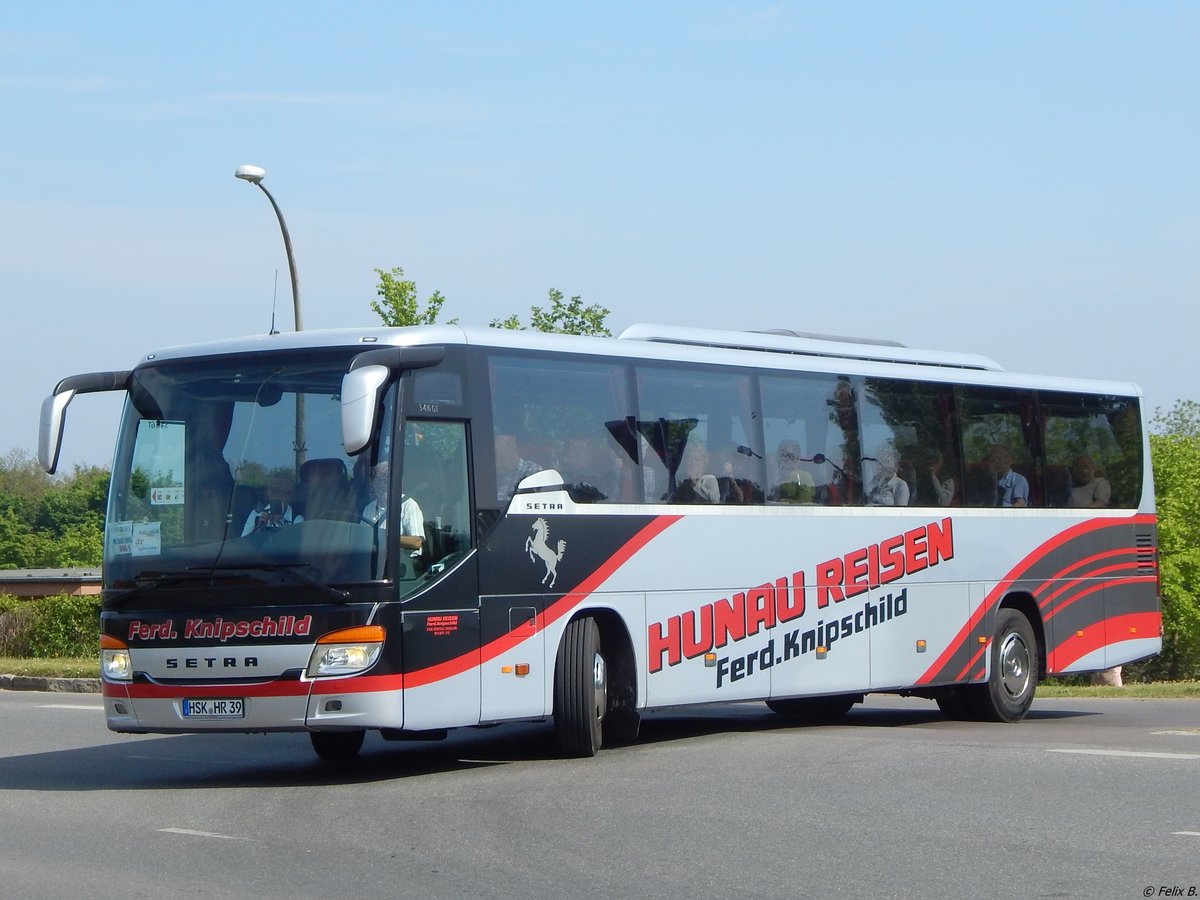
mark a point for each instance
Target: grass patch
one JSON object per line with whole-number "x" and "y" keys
{"x": 70, "y": 667}
{"x": 1162, "y": 690}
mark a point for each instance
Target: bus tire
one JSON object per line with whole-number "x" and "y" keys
{"x": 580, "y": 689}
{"x": 337, "y": 744}
{"x": 815, "y": 709}
{"x": 1009, "y": 690}
{"x": 955, "y": 703}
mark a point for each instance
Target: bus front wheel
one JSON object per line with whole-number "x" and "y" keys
{"x": 1008, "y": 692}
{"x": 337, "y": 744}
{"x": 580, "y": 689}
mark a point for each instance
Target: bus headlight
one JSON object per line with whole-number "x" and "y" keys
{"x": 347, "y": 651}
{"x": 114, "y": 659}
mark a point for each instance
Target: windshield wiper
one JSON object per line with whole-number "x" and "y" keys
{"x": 290, "y": 569}
{"x": 153, "y": 580}
{"x": 147, "y": 581}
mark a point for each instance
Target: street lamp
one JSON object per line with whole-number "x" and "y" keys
{"x": 255, "y": 175}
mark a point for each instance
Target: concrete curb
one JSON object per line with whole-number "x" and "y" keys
{"x": 52, "y": 685}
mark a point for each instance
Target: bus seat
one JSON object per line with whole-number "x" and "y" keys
{"x": 1058, "y": 486}
{"x": 324, "y": 489}
{"x": 246, "y": 498}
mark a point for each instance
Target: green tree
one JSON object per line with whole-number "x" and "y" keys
{"x": 20, "y": 547}
{"x": 50, "y": 522}
{"x": 398, "y": 304}
{"x": 23, "y": 484}
{"x": 77, "y": 499}
{"x": 1175, "y": 451}
{"x": 563, "y": 317}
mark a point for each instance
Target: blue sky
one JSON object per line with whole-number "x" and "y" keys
{"x": 1017, "y": 180}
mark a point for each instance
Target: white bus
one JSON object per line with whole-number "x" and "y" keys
{"x": 417, "y": 529}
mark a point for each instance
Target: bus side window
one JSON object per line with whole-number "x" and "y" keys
{"x": 435, "y": 476}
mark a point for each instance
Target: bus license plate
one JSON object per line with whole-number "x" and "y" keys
{"x": 215, "y": 708}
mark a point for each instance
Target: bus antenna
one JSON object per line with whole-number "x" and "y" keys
{"x": 274, "y": 297}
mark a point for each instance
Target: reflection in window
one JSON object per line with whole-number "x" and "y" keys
{"x": 698, "y": 428}
{"x": 238, "y": 462}
{"x": 1000, "y": 440}
{"x": 910, "y": 443}
{"x": 564, "y": 414}
{"x": 1093, "y": 451}
{"x": 810, "y": 426}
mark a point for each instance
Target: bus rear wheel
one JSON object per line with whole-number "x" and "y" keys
{"x": 337, "y": 744}
{"x": 580, "y": 689}
{"x": 815, "y": 709}
{"x": 1009, "y": 690}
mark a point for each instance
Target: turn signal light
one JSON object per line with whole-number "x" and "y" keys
{"x": 355, "y": 635}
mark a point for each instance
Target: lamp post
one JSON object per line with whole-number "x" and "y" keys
{"x": 255, "y": 175}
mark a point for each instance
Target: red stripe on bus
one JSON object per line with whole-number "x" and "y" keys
{"x": 1091, "y": 589}
{"x": 1131, "y": 627}
{"x": 972, "y": 662}
{"x": 1064, "y": 586}
{"x": 352, "y": 685}
{"x": 1015, "y": 574}
{"x": 555, "y": 611}
{"x": 173, "y": 691}
{"x": 1073, "y": 570}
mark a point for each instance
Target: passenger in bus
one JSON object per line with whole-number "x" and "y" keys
{"x": 943, "y": 487}
{"x": 412, "y": 520}
{"x": 734, "y": 485}
{"x": 887, "y": 488}
{"x": 277, "y": 510}
{"x": 699, "y": 484}
{"x": 793, "y": 481}
{"x": 1012, "y": 488}
{"x": 586, "y": 480}
{"x": 1088, "y": 491}
{"x": 511, "y": 467}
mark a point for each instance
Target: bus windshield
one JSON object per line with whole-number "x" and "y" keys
{"x": 236, "y": 463}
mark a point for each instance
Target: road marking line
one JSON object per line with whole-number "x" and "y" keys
{"x": 70, "y": 706}
{"x": 1146, "y": 754}
{"x": 1187, "y": 833}
{"x": 1189, "y": 732}
{"x": 209, "y": 834}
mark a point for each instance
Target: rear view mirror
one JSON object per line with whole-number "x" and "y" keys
{"x": 54, "y": 410}
{"x": 363, "y": 384}
{"x": 360, "y": 400}
{"x": 50, "y": 429}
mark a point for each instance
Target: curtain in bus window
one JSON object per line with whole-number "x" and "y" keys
{"x": 700, "y": 435}
{"x": 564, "y": 414}
{"x": 1093, "y": 449}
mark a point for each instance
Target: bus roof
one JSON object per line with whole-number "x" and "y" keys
{"x": 754, "y": 349}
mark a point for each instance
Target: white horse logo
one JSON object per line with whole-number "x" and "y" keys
{"x": 538, "y": 546}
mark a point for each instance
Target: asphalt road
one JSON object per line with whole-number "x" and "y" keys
{"x": 1086, "y": 798}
